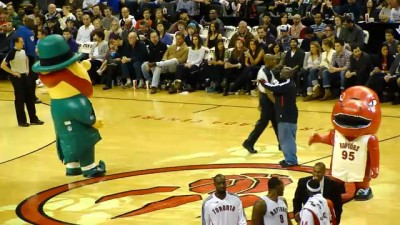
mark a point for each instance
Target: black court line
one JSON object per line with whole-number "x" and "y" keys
{"x": 8, "y": 100}
{"x": 208, "y": 104}
{"x": 28, "y": 153}
{"x": 214, "y": 107}
{"x": 390, "y": 138}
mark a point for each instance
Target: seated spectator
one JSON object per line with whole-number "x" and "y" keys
{"x": 313, "y": 9}
{"x": 284, "y": 24}
{"x": 213, "y": 15}
{"x": 135, "y": 55}
{"x": 390, "y": 41}
{"x": 294, "y": 59}
{"x": 284, "y": 38}
{"x": 191, "y": 31}
{"x": 266, "y": 21}
{"x": 351, "y": 10}
{"x": 165, "y": 37}
{"x": 318, "y": 26}
{"x": 97, "y": 55}
{"x": 97, "y": 24}
{"x": 115, "y": 31}
{"x": 74, "y": 4}
{"x": 183, "y": 17}
{"x": 215, "y": 68}
{"x": 187, "y": 72}
{"x": 67, "y": 15}
{"x": 157, "y": 50}
{"x": 79, "y": 17}
{"x": 13, "y": 16}
{"x": 191, "y": 7}
{"x": 85, "y": 30}
{"x": 326, "y": 59}
{"x": 40, "y": 22}
{"x": 52, "y": 12}
{"x": 73, "y": 46}
{"x": 384, "y": 14}
{"x": 108, "y": 19}
{"x": 353, "y": 34}
{"x": 213, "y": 35}
{"x": 40, "y": 35}
{"x": 382, "y": 64}
{"x": 327, "y": 10}
{"x": 298, "y": 29}
{"x": 235, "y": 64}
{"x": 337, "y": 69}
{"x": 369, "y": 9}
{"x": 264, "y": 38}
{"x": 96, "y": 12}
{"x": 279, "y": 55}
{"x": 71, "y": 26}
{"x": 160, "y": 19}
{"x": 309, "y": 37}
{"x": 359, "y": 69}
{"x": 53, "y": 27}
{"x": 181, "y": 26}
{"x": 144, "y": 32}
{"x": 243, "y": 33}
{"x": 253, "y": 60}
{"x": 125, "y": 13}
{"x": 339, "y": 31}
{"x": 329, "y": 33}
{"x": 312, "y": 62}
{"x": 110, "y": 66}
{"x": 146, "y": 17}
{"x": 127, "y": 29}
{"x": 176, "y": 54}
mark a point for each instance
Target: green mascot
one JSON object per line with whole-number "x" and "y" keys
{"x": 74, "y": 119}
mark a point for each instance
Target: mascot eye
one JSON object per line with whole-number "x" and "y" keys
{"x": 372, "y": 103}
{"x": 341, "y": 98}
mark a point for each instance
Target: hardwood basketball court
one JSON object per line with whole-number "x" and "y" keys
{"x": 160, "y": 151}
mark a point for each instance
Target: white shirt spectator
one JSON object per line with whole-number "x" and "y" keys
{"x": 89, "y": 3}
{"x": 195, "y": 57}
{"x": 84, "y": 33}
{"x": 227, "y": 211}
{"x": 395, "y": 15}
{"x": 326, "y": 59}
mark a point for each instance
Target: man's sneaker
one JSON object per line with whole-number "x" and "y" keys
{"x": 23, "y": 124}
{"x": 37, "y": 122}
{"x": 286, "y": 164}
{"x": 153, "y": 90}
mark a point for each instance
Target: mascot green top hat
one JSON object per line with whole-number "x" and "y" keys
{"x": 54, "y": 54}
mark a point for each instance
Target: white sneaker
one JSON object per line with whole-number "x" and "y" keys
{"x": 39, "y": 83}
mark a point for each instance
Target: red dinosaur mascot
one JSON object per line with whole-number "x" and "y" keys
{"x": 356, "y": 118}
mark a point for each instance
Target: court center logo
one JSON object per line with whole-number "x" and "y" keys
{"x": 248, "y": 185}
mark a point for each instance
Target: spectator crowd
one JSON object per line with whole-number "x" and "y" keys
{"x": 184, "y": 45}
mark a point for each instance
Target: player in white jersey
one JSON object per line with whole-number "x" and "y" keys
{"x": 317, "y": 210}
{"x": 272, "y": 209}
{"x": 222, "y": 207}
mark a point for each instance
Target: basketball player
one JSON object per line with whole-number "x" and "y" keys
{"x": 317, "y": 210}
{"x": 272, "y": 209}
{"x": 222, "y": 207}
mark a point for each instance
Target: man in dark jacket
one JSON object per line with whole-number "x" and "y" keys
{"x": 156, "y": 51}
{"x": 135, "y": 54}
{"x": 330, "y": 189}
{"x": 286, "y": 113}
{"x": 360, "y": 67}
